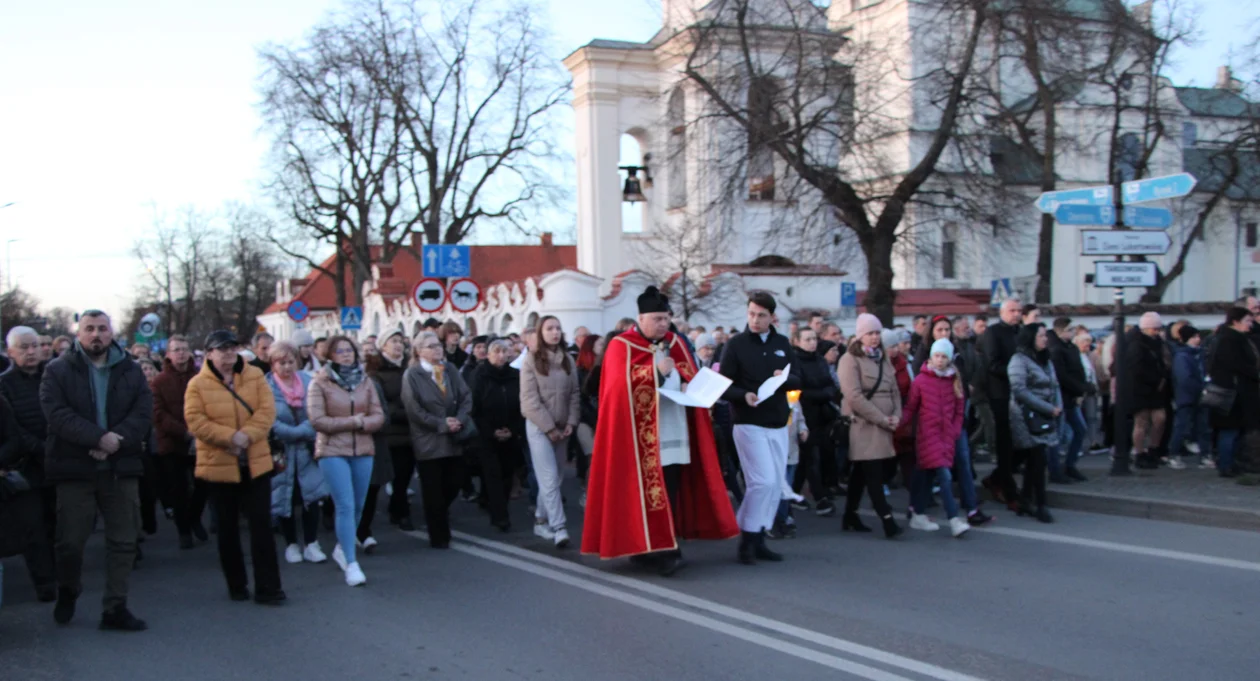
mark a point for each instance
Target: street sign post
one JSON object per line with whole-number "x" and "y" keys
{"x": 848, "y": 299}
{"x": 1120, "y": 275}
{"x": 1149, "y": 218}
{"x": 1124, "y": 242}
{"x": 1049, "y": 202}
{"x": 1073, "y": 214}
{"x": 429, "y": 295}
{"x": 464, "y": 294}
{"x": 298, "y": 311}
{"x": 351, "y": 318}
{"x": 445, "y": 261}
{"x": 1158, "y": 188}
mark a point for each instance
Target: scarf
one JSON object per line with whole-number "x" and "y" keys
{"x": 293, "y": 391}
{"x": 348, "y": 377}
{"x": 949, "y": 371}
{"x": 876, "y": 353}
{"x": 436, "y": 371}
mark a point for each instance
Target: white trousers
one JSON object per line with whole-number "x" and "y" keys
{"x": 548, "y": 458}
{"x": 763, "y": 457}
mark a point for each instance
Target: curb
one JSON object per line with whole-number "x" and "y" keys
{"x": 1170, "y": 511}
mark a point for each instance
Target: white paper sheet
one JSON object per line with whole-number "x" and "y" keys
{"x": 519, "y": 361}
{"x": 703, "y": 391}
{"x": 772, "y": 385}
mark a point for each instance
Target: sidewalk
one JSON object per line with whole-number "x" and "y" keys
{"x": 1194, "y": 496}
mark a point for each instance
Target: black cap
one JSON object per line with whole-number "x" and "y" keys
{"x": 652, "y": 300}
{"x": 221, "y": 339}
{"x": 479, "y": 340}
{"x": 1186, "y": 332}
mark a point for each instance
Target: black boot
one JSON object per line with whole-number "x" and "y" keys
{"x": 185, "y": 541}
{"x": 747, "y": 547}
{"x": 763, "y": 552}
{"x": 670, "y": 562}
{"x": 119, "y": 618}
{"x": 891, "y": 528}
{"x": 852, "y": 523}
{"x": 199, "y": 531}
{"x": 63, "y": 612}
{"x": 1043, "y": 515}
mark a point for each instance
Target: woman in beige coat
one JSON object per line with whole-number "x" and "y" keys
{"x": 551, "y": 403}
{"x": 872, "y": 403}
{"x": 345, "y": 410}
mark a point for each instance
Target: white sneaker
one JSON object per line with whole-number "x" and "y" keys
{"x": 339, "y": 557}
{"x": 293, "y": 554}
{"x": 354, "y": 575}
{"x": 1206, "y": 462}
{"x": 1193, "y": 448}
{"x": 541, "y": 530}
{"x": 314, "y": 554}
{"x": 1175, "y": 463}
{"x": 369, "y": 545}
{"x": 582, "y": 500}
{"x": 958, "y": 527}
{"x": 562, "y": 539}
{"x": 919, "y": 521}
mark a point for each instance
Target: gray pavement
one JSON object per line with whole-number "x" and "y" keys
{"x": 1090, "y": 597}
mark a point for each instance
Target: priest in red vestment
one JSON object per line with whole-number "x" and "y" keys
{"x": 654, "y": 475}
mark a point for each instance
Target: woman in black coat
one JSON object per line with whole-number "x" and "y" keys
{"x": 1234, "y": 363}
{"x": 496, "y": 409}
{"x": 817, "y": 393}
{"x": 388, "y": 368}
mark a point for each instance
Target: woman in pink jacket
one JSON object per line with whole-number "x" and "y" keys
{"x": 936, "y": 398}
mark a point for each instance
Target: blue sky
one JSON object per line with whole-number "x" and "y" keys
{"x": 109, "y": 108}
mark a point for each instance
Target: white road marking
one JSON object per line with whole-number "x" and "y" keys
{"x": 1125, "y": 548}
{"x": 680, "y": 598}
{"x": 1118, "y": 547}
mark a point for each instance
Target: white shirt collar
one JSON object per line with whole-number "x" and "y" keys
{"x": 424, "y": 364}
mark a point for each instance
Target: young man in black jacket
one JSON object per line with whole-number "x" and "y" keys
{"x": 998, "y": 346}
{"x": 1072, "y": 383}
{"x": 100, "y": 413}
{"x": 760, "y": 432}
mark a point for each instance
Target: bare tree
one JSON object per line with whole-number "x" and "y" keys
{"x": 680, "y": 255}
{"x": 172, "y": 257}
{"x": 821, "y": 113}
{"x": 410, "y": 116}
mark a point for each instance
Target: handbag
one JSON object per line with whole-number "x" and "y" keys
{"x": 840, "y": 429}
{"x": 279, "y": 460}
{"x": 1218, "y": 398}
{"x": 1038, "y": 423}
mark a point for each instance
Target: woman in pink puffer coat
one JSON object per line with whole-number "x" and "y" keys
{"x": 936, "y": 399}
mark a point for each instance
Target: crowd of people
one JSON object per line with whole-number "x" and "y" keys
{"x": 300, "y": 437}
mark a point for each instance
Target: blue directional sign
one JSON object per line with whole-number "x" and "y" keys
{"x": 1090, "y": 196}
{"x": 1158, "y": 188}
{"x": 351, "y": 318}
{"x": 1151, "y": 218}
{"x": 1072, "y": 214}
{"x": 848, "y": 294}
{"x": 441, "y": 260}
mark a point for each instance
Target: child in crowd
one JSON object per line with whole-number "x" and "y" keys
{"x": 784, "y": 523}
{"x": 936, "y": 398}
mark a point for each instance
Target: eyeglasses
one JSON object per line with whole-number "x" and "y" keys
{"x": 343, "y": 350}
{"x": 430, "y": 346}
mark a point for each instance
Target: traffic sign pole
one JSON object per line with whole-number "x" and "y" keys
{"x": 1120, "y": 410}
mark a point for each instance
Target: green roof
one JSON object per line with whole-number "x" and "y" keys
{"x": 1211, "y": 166}
{"x": 1216, "y": 103}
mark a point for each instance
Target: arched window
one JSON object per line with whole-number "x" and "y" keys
{"x": 676, "y": 149}
{"x": 505, "y": 326}
{"x": 416, "y": 327}
{"x": 631, "y": 154}
{"x": 470, "y": 327}
{"x": 762, "y": 129}
{"x": 1129, "y": 156}
{"x": 376, "y": 323}
{"x": 531, "y": 322}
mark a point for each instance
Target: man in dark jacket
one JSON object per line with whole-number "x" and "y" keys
{"x": 1148, "y": 366}
{"x": 760, "y": 432}
{"x": 1074, "y": 387}
{"x": 174, "y": 462}
{"x": 818, "y": 390}
{"x": 19, "y": 385}
{"x": 1235, "y": 364}
{"x": 1190, "y": 419}
{"x": 998, "y": 346}
{"x": 100, "y": 412}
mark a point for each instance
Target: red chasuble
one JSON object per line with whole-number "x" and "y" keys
{"x": 627, "y": 508}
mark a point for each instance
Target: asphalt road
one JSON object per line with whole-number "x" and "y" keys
{"x": 1091, "y": 597}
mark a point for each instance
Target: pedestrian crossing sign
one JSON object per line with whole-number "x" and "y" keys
{"x": 351, "y": 318}
{"x": 1000, "y": 290}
